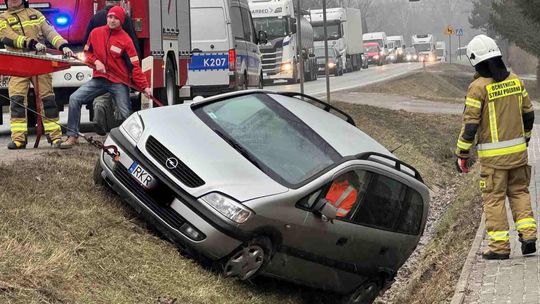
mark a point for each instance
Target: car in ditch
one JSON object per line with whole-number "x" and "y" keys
{"x": 278, "y": 184}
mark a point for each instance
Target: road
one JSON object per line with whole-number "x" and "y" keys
{"x": 316, "y": 88}
{"x": 350, "y": 80}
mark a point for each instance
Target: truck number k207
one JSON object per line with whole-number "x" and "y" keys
{"x": 209, "y": 62}
{"x": 214, "y": 62}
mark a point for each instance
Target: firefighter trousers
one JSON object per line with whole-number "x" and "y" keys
{"x": 496, "y": 185}
{"x": 18, "y": 92}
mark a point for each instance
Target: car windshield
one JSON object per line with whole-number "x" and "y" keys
{"x": 274, "y": 139}
{"x": 275, "y": 27}
{"x": 319, "y": 52}
{"x": 371, "y": 48}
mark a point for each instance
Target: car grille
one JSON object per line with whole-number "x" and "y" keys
{"x": 182, "y": 172}
{"x": 157, "y": 200}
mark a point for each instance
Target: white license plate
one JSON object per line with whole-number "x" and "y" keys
{"x": 142, "y": 176}
{"x": 4, "y": 80}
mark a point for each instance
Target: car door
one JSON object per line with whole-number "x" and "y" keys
{"x": 325, "y": 245}
{"x": 239, "y": 42}
{"x": 253, "y": 59}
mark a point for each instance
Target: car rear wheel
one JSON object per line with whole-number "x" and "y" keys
{"x": 365, "y": 293}
{"x": 249, "y": 260}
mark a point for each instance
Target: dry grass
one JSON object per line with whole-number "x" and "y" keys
{"x": 440, "y": 82}
{"x": 62, "y": 240}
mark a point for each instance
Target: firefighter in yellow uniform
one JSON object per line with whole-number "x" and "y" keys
{"x": 499, "y": 113}
{"x": 23, "y": 29}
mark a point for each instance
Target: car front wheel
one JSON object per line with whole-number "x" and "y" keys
{"x": 249, "y": 260}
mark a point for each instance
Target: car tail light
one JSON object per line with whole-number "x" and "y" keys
{"x": 232, "y": 59}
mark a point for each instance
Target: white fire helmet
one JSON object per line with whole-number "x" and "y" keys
{"x": 482, "y": 48}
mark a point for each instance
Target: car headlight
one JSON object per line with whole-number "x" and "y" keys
{"x": 415, "y": 57}
{"x": 229, "y": 208}
{"x": 376, "y": 57}
{"x": 408, "y": 57}
{"x": 133, "y": 126}
{"x": 331, "y": 64}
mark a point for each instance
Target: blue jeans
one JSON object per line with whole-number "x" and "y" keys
{"x": 86, "y": 94}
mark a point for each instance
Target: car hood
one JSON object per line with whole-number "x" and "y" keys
{"x": 221, "y": 167}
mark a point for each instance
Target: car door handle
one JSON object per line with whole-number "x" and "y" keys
{"x": 383, "y": 250}
{"x": 341, "y": 241}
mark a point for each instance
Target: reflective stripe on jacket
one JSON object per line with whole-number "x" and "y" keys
{"x": 19, "y": 26}
{"x": 500, "y": 115}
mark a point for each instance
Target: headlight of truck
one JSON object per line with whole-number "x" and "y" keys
{"x": 133, "y": 127}
{"x": 286, "y": 67}
{"x": 229, "y": 208}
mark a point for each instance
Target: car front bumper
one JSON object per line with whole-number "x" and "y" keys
{"x": 167, "y": 217}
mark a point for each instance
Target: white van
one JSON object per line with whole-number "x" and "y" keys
{"x": 226, "y": 54}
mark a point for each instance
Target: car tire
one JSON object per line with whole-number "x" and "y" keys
{"x": 248, "y": 260}
{"x": 98, "y": 179}
{"x": 366, "y": 293}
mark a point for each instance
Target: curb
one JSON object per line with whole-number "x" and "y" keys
{"x": 461, "y": 286}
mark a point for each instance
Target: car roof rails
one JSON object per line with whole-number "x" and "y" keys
{"x": 398, "y": 164}
{"x": 325, "y": 106}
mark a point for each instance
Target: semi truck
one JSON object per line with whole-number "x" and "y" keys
{"x": 163, "y": 30}
{"x": 281, "y": 57}
{"x": 381, "y": 39}
{"x": 344, "y": 33}
{"x": 425, "y": 46}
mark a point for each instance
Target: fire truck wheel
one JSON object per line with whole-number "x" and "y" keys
{"x": 170, "y": 81}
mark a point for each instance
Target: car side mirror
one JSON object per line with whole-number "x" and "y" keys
{"x": 327, "y": 211}
{"x": 263, "y": 37}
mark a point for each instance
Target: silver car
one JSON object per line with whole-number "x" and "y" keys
{"x": 278, "y": 184}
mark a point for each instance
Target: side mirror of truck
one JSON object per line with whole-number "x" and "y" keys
{"x": 293, "y": 28}
{"x": 262, "y": 37}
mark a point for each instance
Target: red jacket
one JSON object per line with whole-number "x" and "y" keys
{"x": 115, "y": 49}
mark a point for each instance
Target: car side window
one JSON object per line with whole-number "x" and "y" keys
{"x": 382, "y": 204}
{"x": 237, "y": 24}
{"x": 346, "y": 191}
{"x": 411, "y": 214}
{"x": 247, "y": 24}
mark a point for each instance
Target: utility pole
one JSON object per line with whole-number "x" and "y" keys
{"x": 299, "y": 45}
{"x": 326, "y": 70}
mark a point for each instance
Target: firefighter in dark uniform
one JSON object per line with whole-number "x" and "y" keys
{"x": 499, "y": 114}
{"x": 23, "y": 29}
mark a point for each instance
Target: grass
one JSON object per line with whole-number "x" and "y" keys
{"x": 63, "y": 240}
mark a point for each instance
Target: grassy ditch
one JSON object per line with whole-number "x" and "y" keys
{"x": 63, "y": 240}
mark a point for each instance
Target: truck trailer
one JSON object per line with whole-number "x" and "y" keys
{"x": 281, "y": 58}
{"x": 344, "y": 33}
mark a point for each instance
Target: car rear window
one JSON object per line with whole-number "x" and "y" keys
{"x": 281, "y": 144}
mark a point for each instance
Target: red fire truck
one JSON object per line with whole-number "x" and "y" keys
{"x": 163, "y": 29}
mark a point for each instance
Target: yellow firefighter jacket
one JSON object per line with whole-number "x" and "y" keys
{"x": 501, "y": 116}
{"x": 20, "y": 25}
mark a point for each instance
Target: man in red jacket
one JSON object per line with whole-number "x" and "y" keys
{"x": 112, "y": 52}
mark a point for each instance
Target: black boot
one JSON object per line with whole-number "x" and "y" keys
{"x": 490, "y": 255}
{"x": 528, "y": 247}
{"x": 15, "y": 145}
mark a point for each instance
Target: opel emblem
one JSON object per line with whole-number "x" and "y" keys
{"x": 171, "y": 163}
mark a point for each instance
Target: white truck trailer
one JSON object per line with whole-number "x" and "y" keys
{"x": 425, "y": 46}
{"x": 381, "y": 39}
{"x": 440, "y": 48}
{"x": 344, "y": 33}
{"x": 281, "y": 58}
